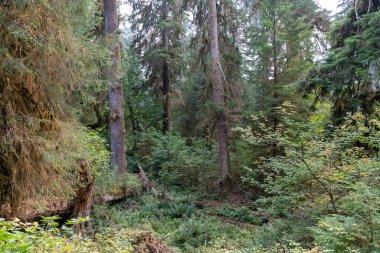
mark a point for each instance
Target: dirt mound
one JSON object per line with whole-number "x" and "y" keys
{"x": 143, "y": 241}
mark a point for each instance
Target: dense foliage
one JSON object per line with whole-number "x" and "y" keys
{"x": 350, "y": 72}
{"x": 266, "y": 139}
{"x": 326, "y": 180}
{"x": 48, "y": 61}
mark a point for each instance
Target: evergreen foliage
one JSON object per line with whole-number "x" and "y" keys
{"x": 142, "y": 106}
{"x": 350, "y": 73}
{"x": 284, "y": 105}
{"x": 280, "y": 49}
{"x": 157, "y": 28}
{"x": 328, "y": 181}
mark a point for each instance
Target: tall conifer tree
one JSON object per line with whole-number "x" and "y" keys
{"x": 218, "y": 93}
{"x": 157, "y": 27}
{"x": 281, "y": 43}
{"x": 218, "y": 80}
{"x": 116, "y": 99}
{"x": 350, "y": 73}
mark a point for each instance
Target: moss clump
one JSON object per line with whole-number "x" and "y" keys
{"x": 45, "y": 61}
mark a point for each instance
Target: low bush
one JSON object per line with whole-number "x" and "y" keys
{"x": 17, "y": 236}
{"x": 181, "y": 209}
{"x": 176, "y": 161}
{"x": 323, "y": 187}
{"x": 195, "y": 232}
{"x": 98, "y": 152}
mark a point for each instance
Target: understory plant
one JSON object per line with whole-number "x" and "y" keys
{"x": 17, "y": 236}
{"x": 178, "y": 161}
{"x": 98, "y": 154}
{"x": 323, "y": 186}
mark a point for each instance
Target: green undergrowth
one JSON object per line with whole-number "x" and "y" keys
{"x": 17, "y": 236}
{"x": 104, "y": 175}
{"x": 165, "y": 219}
{"x": 241, "y": 214}
{"x": 174, "y": 218}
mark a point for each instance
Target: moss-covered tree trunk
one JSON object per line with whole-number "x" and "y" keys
{"x": 84, "y": 199}
{"x": 218, "y": 95}
{"x": 116, "y": 118}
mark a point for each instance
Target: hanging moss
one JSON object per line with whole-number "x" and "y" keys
{"x": 46, "y": 60}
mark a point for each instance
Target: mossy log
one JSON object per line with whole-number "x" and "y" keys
{"x": 63, "y": 208}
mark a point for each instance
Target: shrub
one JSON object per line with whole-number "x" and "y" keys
{"x": 182, "y": 209}
{"x": 195, "y": 232}
{"x": 179, "y": 161}
{"x": 17, "y": 236}
{"x": 325, "y": 180}
{"x": 345, "y": 234}
{"x": 98, "y": 152}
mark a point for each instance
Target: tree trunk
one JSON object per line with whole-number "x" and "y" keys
{"x": 218, "y": 95}
{"x": 115, "y": 90}
{"x": 83, "y": 201}
{"x": 82, "y": 207}
{"x": 165, "y": 72}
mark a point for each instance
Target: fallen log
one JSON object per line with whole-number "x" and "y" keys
{"x": 27, "y": 213}
{"x": 114, "y": 196}
{"x": 144, "y": 242}
{"x": 62, "y": 208}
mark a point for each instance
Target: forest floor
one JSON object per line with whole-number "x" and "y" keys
{"x": 185, "y": 221}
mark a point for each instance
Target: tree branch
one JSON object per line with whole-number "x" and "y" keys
{"x": 323, "y": 184}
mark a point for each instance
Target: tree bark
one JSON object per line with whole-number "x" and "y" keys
{"x": 115, "y": 90}
{"x": 165, "y": 72}
{"x": 83, "y": 201}
{"x": 218, "y": 95}
{"x": 83, "y": 206}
